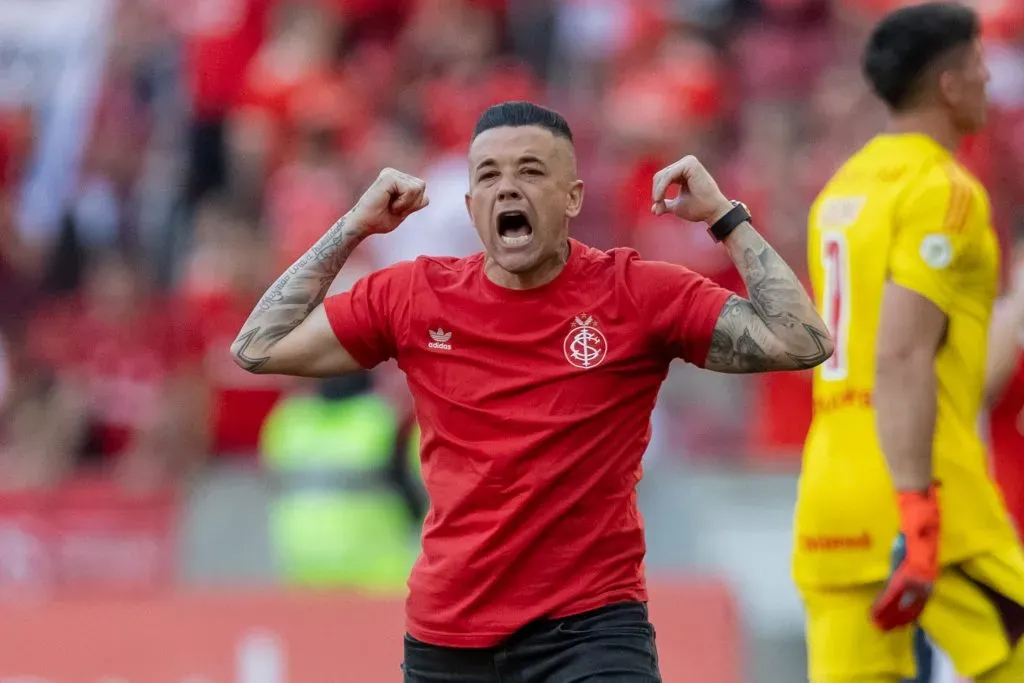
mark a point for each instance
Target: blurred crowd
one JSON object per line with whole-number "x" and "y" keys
{"x": 161, "y": 161}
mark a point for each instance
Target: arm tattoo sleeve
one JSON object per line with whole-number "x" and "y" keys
{"x": 293, "y": 296}
{"x": 777, "y": 328}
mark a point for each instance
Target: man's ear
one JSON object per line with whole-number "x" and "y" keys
{"x": 469, "y": 210}
{"x": 575, "y": 199}
{"x": 950, "y": 88}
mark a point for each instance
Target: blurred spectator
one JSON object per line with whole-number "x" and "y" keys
{"x": 782, "y": 53}
{"x": 346, "y": 514}
{"x": 117, "y": 356}
{"x": 227, "y": 274}
{"x": 5, "y": 372}
{"x": 296, "y": 56}
{"x": 54, "y": 69}
{"x": 664, "y": 102}
{"x": 41, "y": 425}
{"x": 221, "y": 38}
{"x": 19, "y": 268}
{"x": 124, "y": 194}
{"x": 16, "y": 137}
{"x": 306, "y": 194}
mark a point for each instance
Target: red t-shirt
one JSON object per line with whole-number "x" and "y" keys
{"x": 535, "y": 408}
{"x": 1006, "y": 431}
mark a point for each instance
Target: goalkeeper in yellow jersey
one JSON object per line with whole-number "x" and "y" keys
{"x": 897, "y": 520}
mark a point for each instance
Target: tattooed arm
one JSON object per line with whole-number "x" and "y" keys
{"x": 288, "y": 332}
{"x": 777, "y": 328}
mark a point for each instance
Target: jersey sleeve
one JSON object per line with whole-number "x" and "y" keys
{"x": 367, "y": 319}
{"x": 680, "y": 308}
{"x": 929, "y": 239}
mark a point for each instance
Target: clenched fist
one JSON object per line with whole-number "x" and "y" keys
{"x": 699, "y": 198}
{"x": 392, "y": 198}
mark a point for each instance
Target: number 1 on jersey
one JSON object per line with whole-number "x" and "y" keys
{"x": 836, "y": 302}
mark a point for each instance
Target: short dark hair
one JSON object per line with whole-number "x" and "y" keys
{"x": 908, "y": 41}
{"x": 523, "y": 114}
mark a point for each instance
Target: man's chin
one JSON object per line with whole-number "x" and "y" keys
{"x": 521, "y": 263}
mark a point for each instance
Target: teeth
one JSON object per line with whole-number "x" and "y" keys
{"x": 516, "y": 241}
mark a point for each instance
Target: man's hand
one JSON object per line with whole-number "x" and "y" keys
{"x": 777, "y": 328}
{"x": 392, "y": 198}
{"x": 288, "y": 332}
{"x": 915, "y": 562}
{"x": 699, "y": 198}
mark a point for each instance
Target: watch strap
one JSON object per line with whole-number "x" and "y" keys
{"x": 724, "y": 226}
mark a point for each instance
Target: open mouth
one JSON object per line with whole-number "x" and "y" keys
{"x": 514, "y": 228}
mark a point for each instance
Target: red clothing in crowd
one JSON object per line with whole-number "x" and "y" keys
{"x": 535, "y": 411}
{"x": 784, "y": 404}
{"x": 221, "y": 37}
{"x": 122, "y": 367}
{"x": 676, "y": 242}
{"x": 1006, "y": 432}
{"x": 239, "y": 401}
{"x": 302, "y": 201}
{"x": 316, "y": 98}
{"x": 451, "y": 104}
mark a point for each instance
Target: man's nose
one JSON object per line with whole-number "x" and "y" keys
{"x": 508, "y": 192}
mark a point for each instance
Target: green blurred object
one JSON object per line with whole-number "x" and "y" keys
{"x": 412, "y": 453}
{"x": 338, "y": 520}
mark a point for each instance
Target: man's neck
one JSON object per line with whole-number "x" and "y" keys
{"x": 935, "y": 124}
{"x": 544, "y": 273}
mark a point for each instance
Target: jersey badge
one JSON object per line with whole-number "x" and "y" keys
{"x": 936, "y": 251}
{"x": 585, "y": 346}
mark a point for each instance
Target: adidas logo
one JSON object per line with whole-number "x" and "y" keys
{"x": 440, "y": 338}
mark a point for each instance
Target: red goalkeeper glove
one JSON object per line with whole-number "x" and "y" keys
{"x": 915, "y": 561}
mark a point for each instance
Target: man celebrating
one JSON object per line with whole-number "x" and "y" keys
{"x": 534, "y": 367}
{"x": 905, "y": 264}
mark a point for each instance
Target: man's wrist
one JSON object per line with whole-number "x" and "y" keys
{"x": 355, "y": 227}
{"x": 920, "y": 523}
{"x": 727, "y": 218}
{"x": 725, "y": 207}
{"x": 918, "y": 508}
{"x": 913, "y": 497}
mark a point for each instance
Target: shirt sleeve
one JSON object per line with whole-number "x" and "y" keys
{"x": 929, "y": 239}
{"x": 367, "y": 319}
{"x": 681, "y": 308}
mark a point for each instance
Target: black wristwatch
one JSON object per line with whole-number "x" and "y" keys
{"x": 730, "y": 221}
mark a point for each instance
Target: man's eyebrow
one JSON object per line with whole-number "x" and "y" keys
{"x": 524, "y": 159}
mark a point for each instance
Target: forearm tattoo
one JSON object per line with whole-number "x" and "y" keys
{"x": 293, "y": 296}
{"x": 777, "y": 328}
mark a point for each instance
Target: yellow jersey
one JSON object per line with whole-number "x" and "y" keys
{"x": 901, "y": 209}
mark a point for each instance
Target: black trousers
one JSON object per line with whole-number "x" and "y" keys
{"x": 614, "y": 644}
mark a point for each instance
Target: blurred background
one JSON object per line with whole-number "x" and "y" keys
{"x": 161, "y": 161}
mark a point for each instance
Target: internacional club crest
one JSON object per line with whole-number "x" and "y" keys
{"x": 585, "y": 346}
